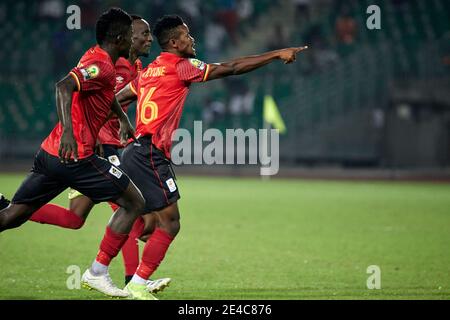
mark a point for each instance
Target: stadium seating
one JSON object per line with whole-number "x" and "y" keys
{"x": 408, "y": 46}
{"x": 322, "y": 87}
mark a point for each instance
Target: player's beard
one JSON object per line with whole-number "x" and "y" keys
{"x": 191, "y": 54}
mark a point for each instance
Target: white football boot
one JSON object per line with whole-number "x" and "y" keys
{"x": 102, "y": 283}
{"x": 158, "y": 285}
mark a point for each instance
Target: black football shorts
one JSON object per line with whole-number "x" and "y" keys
{"x": 151, "y": 172}
{"x": 112, "y": 154}
{"x": 93, "y": 176}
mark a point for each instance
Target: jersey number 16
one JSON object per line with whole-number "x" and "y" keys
{"x": 146, "y": 104}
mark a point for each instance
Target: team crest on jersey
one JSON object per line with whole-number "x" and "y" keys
{"x": 197, "y": 63}
{"x": 171, "y": 184}
{"x": 114, "y": 160}
{"x": 90, "y": 72}
{"x": 115, "y": 172}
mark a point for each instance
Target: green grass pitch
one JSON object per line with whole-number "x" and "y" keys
{"x": 253, "y": 239}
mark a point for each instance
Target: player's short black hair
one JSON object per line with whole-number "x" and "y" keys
{"x": 112, "y": 23}
{"x": 165, "y": 28}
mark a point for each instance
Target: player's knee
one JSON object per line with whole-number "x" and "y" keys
{"x": 172, "y": 227}
{"x": 77, "y": 224}
{"x": 175, "y": 228}
{"x": 9, "y": 221}
{"x": 15, "y": 215}
{"x": 148, "y": 230}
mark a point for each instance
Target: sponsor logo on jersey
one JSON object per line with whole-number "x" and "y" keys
{"x": 171, "y": 184}
{"x": 197, "y": 63}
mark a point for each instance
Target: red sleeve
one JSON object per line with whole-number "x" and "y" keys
{"x": 192, "y": 70}
{"x": 134, "y": 84}
{"x": 94, "y": 76}
{"x": 122, "y": 77}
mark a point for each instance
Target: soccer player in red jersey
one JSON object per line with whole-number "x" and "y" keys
{"x": 161, "y": 90}
{"x": 108, "y": 144}
{"x": 108, "y": 140}
{"x": 85, "y": 99}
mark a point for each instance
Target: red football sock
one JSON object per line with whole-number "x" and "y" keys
{"x": 110, "y": 246}
{"x": 154, "y": 251}
{"x": 58, "y": 216}
{"x": 130, "y": 250}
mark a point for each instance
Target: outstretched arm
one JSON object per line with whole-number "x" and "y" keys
{"x": 64, "y": 90}
{"x": 247, "y": 64}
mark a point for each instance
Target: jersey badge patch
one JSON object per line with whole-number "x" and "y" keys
{"x": 197, "y": 63}
{"x": 90, "y": 72}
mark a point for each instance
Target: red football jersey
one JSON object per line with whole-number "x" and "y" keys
{"x": 96, "y": 79}
{"x": 125, "y": 72}
{"x": 162, "y": 88}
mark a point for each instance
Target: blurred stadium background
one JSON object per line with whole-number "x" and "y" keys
{"x": 358, "y": 98}
{"x": 358, "y": 104}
